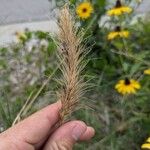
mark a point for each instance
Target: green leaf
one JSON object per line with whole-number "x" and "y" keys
{"x": 135, "y": 69}
{"x": 101, "y": 3}
{"x": 3, "y": 114}
{"x": 3, "y": 64}
{"x": 41, "y": 35}
{"x": 51, "y": 47}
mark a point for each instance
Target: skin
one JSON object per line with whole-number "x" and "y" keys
{"x": 36, "y": 132}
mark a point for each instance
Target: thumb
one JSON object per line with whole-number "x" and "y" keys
{"x": 67, "y": 135}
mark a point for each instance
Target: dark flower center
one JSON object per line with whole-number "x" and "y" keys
{"x": 118, "y": 4}
{"x": 118, "y": 29}
{"x": 127, "y": 81}
{"x": 84, "y": 10}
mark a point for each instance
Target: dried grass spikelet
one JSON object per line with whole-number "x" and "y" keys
{"x": 70, "y": 53}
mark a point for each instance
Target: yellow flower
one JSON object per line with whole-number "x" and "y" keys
{"x": 148, "y": 140}
{"x": 146, "y": 145}
{"x": 21, "y": 36}
{"x": 147, "y": 71}
{"x": 114, "y": 34}
{"x": 119, "y": 9}
{"x": 118, "y": 33}
{"x": 127, "y": 86}
{"x": 84, "y": 10}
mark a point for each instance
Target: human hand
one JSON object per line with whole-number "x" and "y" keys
{"x": 35, "y": 132}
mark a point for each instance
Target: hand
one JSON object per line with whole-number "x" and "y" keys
{"x": 35, "y": 132}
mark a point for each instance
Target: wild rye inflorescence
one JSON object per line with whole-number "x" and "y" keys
{"x": 71, "y": 54}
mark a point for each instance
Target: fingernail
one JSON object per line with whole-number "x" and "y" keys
{"x": 78, "y": 130}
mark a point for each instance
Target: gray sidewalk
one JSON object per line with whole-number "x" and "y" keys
{"x": 16, "y": 15}
{"x": 18, "y": 11}
{"x": 7, "y": 32}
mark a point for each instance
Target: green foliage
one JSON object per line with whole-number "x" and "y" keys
{"x": 24, "y": 66}
{"x": 121, "y": 122}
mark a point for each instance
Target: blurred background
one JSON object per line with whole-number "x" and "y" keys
{"x": 29, "y": 70}
{"x": 35, "y": 15}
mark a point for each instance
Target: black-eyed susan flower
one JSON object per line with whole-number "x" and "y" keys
{"x": 118, "y": 33}
{"x": 147, "y": 71}
{"x": 127, "y": 86}
{"x": 146, "y": 145}
{"x": 84, "y": 10}
{"x": 119, "y": 9}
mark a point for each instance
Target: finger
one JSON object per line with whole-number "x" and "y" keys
{"x": 35, "y": 128}
{"x": 89, "y": 133}
{"x": 67, "y": 135}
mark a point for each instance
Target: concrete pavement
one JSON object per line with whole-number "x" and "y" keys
{"x": 7, "y": 32}
{"x": 17, "y": 11}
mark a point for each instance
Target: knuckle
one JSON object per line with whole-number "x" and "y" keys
{"x": 60, "y": 145}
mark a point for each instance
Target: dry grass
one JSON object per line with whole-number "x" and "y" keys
{"x": 71, "y": 52}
